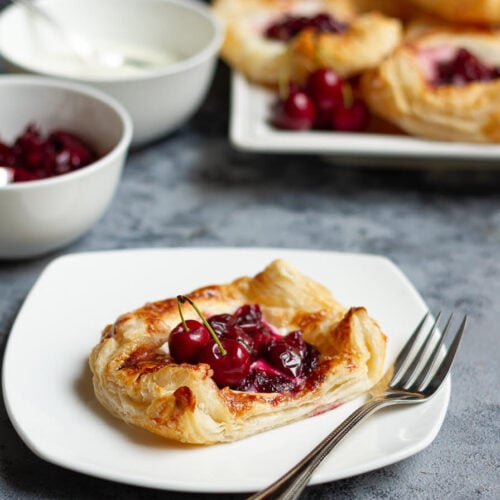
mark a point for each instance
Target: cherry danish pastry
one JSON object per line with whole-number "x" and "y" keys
{"x": 228, "y": 361}
{"x": 442, "y": 85}
{"x": 463, "y": 11}
{"x": 268, "y": 40}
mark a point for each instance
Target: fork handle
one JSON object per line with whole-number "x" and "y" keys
{"x": 291, "y": 484}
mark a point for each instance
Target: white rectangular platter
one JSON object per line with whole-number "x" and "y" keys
{"x": 250, "y": 131}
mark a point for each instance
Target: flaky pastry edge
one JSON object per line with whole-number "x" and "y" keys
{"x": 136, "y": 380}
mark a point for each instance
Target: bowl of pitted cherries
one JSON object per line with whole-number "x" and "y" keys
{"x": 62, "y": 149}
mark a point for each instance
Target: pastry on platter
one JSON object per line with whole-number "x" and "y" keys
{"x": 291, "y": 351}
{"x": 463, "y": 11}
{"x": 402, "y": 9}
{"x": 443, "y": 85}
{"x": 268, "y": 40}
{"x": 367, "y": 40}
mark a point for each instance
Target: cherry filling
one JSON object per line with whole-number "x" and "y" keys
{"x": 256, "y": 358}
{"x": 462, "y": 68}
{"x": 33, "y": 156}
{"x": 289, "y": 26}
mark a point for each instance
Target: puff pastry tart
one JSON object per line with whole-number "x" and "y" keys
{"x": 463, "y": 11}
{"x": 404, "y": 10}
{"x": 308, "y": 354}
{"x": 443, "y": 85}
{"x": 268, "y": 40}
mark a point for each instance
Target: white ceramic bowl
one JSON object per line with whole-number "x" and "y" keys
{"x": 39, "y": 216}
{"x": 160, "y": 98}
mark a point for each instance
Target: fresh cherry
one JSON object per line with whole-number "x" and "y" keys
{"x": 185, "y": 344}
{"x": 326, "y": 102}
{"x": 351, "y": 117}
{"x": 324, "y": 87}
{"x": 230, "y": 368}
{"x": 295, "y": 112}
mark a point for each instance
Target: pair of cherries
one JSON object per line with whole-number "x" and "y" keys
{"x": 192, "y": 341}
{"x": 242, "y": 350}
{"x": 325, "y": 102}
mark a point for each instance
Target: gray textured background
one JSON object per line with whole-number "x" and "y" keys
{"x": 442, "y": 228}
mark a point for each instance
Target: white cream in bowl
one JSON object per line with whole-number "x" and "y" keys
{"x": 182, "y": 37}
{"x": 62, "y": 60}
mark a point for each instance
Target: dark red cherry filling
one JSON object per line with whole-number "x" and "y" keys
{"x": 256, "y": 357}
{"x": 289, "y": 26}
{"x": 266, "y": 381}
{"x": 464, "y": 68}
{"x": 34, "y": 156}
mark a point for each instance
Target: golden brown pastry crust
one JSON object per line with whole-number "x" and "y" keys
{"x": 368, "y": 40}
{"x": 137, "y": 380}
{"x": 401, "y": 9}
{"x": 463, "y": 11}
{"x": 398, "y": 90}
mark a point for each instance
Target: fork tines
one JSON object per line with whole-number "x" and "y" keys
{"x": 422, "y": 364}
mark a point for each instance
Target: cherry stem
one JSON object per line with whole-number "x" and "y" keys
{"x": 184, "y": 324}
{"x": 317, "y": 50}
{"x": 284, "y": 78}
{"x": 181, "y": 299}
{"x": 347, "y": 95}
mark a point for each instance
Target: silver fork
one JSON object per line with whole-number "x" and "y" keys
{"x": 416, "y": 375}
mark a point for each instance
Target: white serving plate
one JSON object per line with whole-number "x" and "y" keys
{"x": 250, "y": 131}
{"x": 49, "y": 396}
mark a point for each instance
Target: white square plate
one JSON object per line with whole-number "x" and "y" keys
{"x": 250, "y": 131}
{"x": 49, "y": 396}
